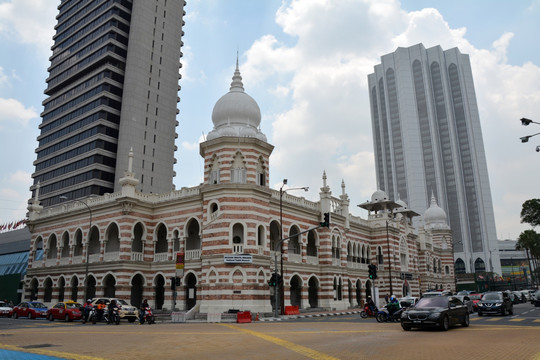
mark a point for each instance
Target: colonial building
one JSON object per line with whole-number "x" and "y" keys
{"x": 125, "y": 244}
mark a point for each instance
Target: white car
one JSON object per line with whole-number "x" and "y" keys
{"x": 5, "y": 309}
{"x": 126, "y": 311}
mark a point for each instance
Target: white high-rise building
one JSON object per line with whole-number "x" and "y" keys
{"x": 428, "y": 141}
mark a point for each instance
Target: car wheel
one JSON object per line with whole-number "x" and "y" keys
{"x": 67, "y": 318}
{"x": 445, "y": 323}
{"x": 466, "y": 321}
{"x": 30, "y": 315}
{"x": 503, "y": 312}
{"x": 51, "y": 318}
{"x": 15, "y": 315}
{"x": 406, "y": 327}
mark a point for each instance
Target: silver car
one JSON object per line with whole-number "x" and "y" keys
{"x": 467, "y": 302}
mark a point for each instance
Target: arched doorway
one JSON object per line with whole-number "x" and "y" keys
{"x": 109, "y": 284}
{"x": 47, "y": 291}
{"x": 137, "y": 290}
{"x": 350, "y": 293}
{"x": 75, "y": 288}
{"x": 313, "y": 292}
{"x": 295, "y": 291}
{"x": 191, "y": 291}
{"x": 61, "y": 289}
{"x": 368, "y": 290}
{"x": 34, "y": 289}
{"x": 90, "y": 288}
{"x": 159, "y": 290}
{"x": 358, "y": 293}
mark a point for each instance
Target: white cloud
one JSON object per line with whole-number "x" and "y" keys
{"x": 29, "y": 22}
{"x": 15, "y": 112}
{"x": 324, "y": 75}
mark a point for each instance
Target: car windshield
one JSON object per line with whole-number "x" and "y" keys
{"x": 73, "y": 305}
{"x": 36, "y": 304}
{"x": 492, "y": 297}
{"x": 122, "y": 302}
{"x": 430, "y": 302}
{"x": 3, "y": 304}
{"x": 431, "y": 294}
{"x": 475, "y": 297}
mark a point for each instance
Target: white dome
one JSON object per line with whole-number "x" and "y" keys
{"x": 434, "y": 215}
{"x": 379, "y": 195}
{"x": 236, "y": 113}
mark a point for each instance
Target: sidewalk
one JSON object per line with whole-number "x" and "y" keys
{"x": 312, "y": 314}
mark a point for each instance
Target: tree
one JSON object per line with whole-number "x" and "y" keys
{"x": 530, "y": 212}
{"x": 529, "y": 240}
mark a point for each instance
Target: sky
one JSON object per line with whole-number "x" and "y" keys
{"x": 306, "y": 63}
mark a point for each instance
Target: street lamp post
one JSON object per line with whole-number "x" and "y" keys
{"x": 389, "y": 261}
{"x": 279, "y": 289}
{"x": 87, "y": 244}
{"x": 524, "y": 139}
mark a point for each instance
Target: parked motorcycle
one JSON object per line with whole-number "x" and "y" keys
{"x": 112, "y": 317}
{"x": 148, "y": 316}
{"x": 368, "y": 311}
{"x": 90, "y": 315}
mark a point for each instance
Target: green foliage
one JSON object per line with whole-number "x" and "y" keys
{"x": 530, "y": 212}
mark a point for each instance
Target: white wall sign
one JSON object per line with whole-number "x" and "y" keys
{"x": 238, "y": 259}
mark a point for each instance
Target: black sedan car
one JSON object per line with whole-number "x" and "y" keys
{"x": 439, "y": 312}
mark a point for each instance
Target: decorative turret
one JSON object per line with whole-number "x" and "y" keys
{"x": 129, "y": 181}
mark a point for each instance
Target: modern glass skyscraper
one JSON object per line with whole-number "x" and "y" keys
{"x": 428, "y": 140}
{"x": 112, "y": 87}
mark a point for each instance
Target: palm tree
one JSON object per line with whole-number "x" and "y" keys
{"x": 529, "y": 240}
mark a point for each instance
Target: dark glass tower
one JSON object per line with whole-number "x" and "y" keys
{"x": 112, "y": 87}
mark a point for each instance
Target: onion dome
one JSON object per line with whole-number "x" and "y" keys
{"x": 435, "y": 217}
{"x": 378, "y": 196}
{"x": 236, "y": 113}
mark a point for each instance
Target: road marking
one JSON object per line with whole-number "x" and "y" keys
{"x": 310, "y": 353}
{"x": 58, "y": 354}
{"x": 517, "y": 319}
{"x": 494, "y": 319}
{"x": 537, "y": 320}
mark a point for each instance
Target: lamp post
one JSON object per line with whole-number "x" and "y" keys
{"x": 279, "y": 290}
{"x": 87, "y": 244}
{"x": 524, "y": 139}
{"x": 389, "y": 261}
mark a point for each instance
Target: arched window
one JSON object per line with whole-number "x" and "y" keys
{"x": 113, "y": 240}
{"x": 238, "y": 238}
{"x": 214, "y": 171}
{"x": 294, "y": 241}
{"x": 260, "y": 236}
{"x": 261, "y": 172}
{"x": 52, "y": 250}
{"x": 311, "y": 248}
{"x": 459, "y": 267}
{"x": 479, "y": 265}
{"x": 274, "y": 235}
{"x": 238, "y": 169}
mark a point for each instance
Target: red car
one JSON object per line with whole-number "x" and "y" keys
{"x": 475, "y": 298}
{"x": 30, "y": 309}
{"x": 66, "y": 310}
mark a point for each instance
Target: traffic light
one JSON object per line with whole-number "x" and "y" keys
{"x": 326, "y": 222}
{"x": 272, "y": 281}
{"x": 372, "y": 271}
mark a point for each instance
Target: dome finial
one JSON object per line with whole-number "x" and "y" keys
{"x": 236, "y": 84}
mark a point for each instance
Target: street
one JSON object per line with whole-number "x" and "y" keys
{"x": 325, "y": 337}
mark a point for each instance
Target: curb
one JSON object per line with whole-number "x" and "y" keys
{"x": 292, "y": 317}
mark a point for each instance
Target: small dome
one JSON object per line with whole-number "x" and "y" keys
{"x": 379, "y": 195}
{"x": 236, "y": 113}
{"x": 402, "y": 204}
{"x": 434, "y": 215}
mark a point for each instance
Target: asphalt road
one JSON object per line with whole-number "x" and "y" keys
{"x": 330, "y": 337}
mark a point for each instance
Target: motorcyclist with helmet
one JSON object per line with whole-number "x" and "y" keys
{"x": 142, "y": 309}
{"x": 86, "y": 309}
{"x": 393, "y": 305}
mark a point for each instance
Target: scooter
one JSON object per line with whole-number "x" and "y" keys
{"x": 91, "y": 315}
{"x": 384, "y": 315}
{"x": 148, "y": 316}
{"x": 368, "y": 311}
{"x": 113, "y": 317}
